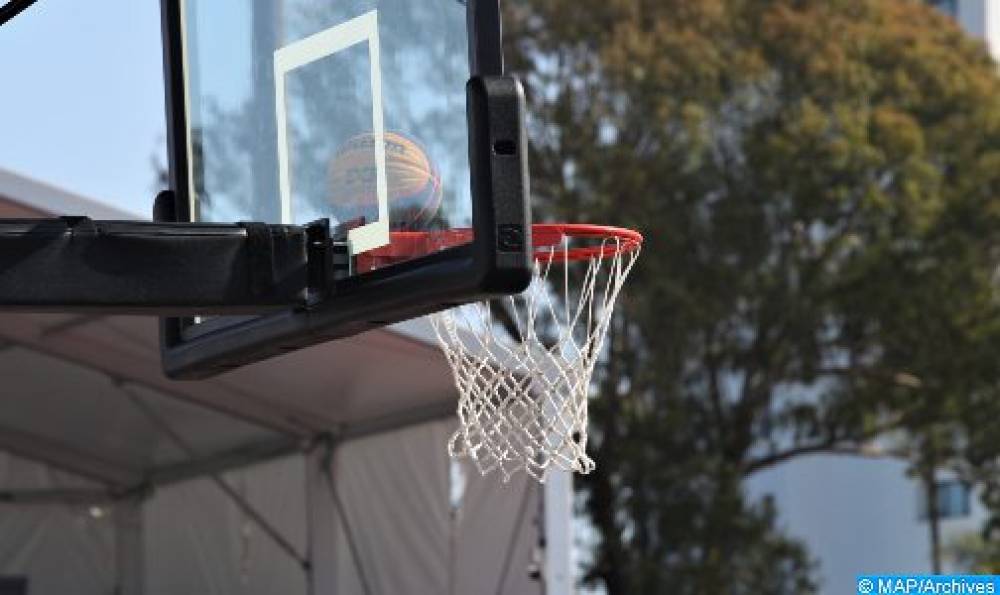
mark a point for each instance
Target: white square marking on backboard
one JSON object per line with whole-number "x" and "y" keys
{"x": 316, "y": 47}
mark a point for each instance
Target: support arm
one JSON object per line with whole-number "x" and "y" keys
{"x": 75, "y": 264}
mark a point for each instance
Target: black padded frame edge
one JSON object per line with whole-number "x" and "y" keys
{"x": 75, "y": 264}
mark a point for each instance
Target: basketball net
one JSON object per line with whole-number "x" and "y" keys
{"x": 523, "y": 386}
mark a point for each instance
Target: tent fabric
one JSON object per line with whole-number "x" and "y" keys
{"x": 394, "y": 494}
{"x": 423, "y": 525}
{"x": 419, "y": 523}
{"x": 199, "y": 541}
{"x": 58, "y": 548}
{"x": 301, "y": 393}
{"x": 499, "y": 532}
{"x": 84, "y": 411}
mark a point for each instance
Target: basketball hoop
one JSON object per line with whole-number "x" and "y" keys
{"x": 523, "y": 398}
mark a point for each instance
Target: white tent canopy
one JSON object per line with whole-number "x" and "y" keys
{"x": 323, "y": 471}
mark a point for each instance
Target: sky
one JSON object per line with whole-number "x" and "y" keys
{"x": 81, "y": 98}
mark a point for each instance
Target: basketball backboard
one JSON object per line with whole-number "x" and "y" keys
{"x": 388, "y": 118}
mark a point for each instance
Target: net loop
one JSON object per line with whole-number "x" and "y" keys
{"x": 523, "y": 400}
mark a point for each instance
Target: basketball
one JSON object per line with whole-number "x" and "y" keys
{"x": 414, "y": 184}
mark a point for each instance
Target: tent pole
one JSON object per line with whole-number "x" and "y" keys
{"x": 328, "y": 449}
{"x": 129, "y": 546}
{"x": 67, "y": 458}
{"x": 56, "y": 496}
{"x": 558, "y": 506}
{"x": 322, "y": 524}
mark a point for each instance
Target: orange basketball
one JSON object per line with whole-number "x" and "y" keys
{"x": 414, "y": 183}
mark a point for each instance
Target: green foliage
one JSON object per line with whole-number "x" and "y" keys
{"x": 818, "y": 184}
{"x": 974, "y": 555}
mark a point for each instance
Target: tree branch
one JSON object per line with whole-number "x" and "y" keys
{"x": 785, "y": 456}
{"x": 854, "y": 446}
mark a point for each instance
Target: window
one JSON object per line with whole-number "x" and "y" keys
{"x": 953, "y": 500}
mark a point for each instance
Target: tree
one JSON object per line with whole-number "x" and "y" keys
{"x": 973, "y": 554}
{"x": 818, "y": 182}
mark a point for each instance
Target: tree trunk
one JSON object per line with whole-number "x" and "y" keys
{"x": 933, "y": 517}
{"x": 612, "y": 559}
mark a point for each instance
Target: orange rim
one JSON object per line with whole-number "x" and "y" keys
{"x": 613, "y": 241}
{"x": 547, "y": 240}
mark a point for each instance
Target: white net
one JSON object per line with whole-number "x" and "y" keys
{"x": 523, "y": 365}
